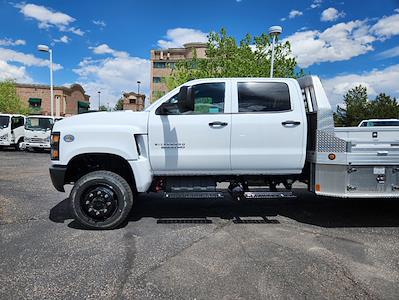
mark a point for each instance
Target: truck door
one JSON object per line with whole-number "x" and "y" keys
{"x": 193, "y": 142}
{"x": 268, "y": 127}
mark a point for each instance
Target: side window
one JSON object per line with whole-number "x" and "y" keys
{"x": 17, "y": 122}
{"x": 263, "y": 97}
{"x": 208, "y": 98}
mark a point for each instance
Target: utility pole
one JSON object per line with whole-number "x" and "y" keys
{"x": 99, "y": 100}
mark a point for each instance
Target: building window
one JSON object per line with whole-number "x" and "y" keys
{"x": 35, "y": 102}
{"x": 132, "y": 101}
{"x": 157, "y": 79}
{"x": 159, "y": 65}
{"x": 172, "y": 65}
{"x": 263, "y": 97}
{"x": 83, "y": 106}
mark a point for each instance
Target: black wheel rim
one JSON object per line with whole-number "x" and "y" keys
{"x": 99, "y": 202}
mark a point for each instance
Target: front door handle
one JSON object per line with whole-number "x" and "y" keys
{"x": 294, "y": 123}
{"x": 218, "y": 124}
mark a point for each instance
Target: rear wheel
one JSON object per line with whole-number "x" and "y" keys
{"x": 101, "y": 200}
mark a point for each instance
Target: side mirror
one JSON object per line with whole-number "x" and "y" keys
{"x": 185, "y": 99}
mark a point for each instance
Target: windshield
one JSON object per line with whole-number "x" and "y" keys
{"x": 4, "y": 120}
{"x": 39, "y": 124}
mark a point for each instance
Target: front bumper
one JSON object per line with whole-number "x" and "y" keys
{"x": 38, "y": 145}
{"x": 5, "y": 143}
{"x": 57, "y": 174}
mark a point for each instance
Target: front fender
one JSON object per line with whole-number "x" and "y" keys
{"x": 118, "y": 140}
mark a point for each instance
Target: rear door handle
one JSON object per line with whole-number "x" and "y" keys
{"x": 218, "y": 124}
{"x": 289, "y": 122}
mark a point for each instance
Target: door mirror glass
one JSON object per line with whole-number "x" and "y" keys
{"x": 185, "y": 100}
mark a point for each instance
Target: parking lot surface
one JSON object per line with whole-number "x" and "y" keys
{"x": 307, "y": 247}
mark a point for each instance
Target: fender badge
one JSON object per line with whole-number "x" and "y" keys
{"x": 69, "y": 138}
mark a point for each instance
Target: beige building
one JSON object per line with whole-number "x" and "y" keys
{"x": 133, "y": 101}
{"x": 67, "y": 100}
{"x": 163, "y": 62}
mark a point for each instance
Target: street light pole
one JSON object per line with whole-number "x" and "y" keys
{"x": 138, "y": 87}
{"x": 274, "y": 31}
{"x": 45, "y": 48}
{"x": 99, "y": 100}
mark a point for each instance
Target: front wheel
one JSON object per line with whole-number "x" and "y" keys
{"x": 101, "y": 200}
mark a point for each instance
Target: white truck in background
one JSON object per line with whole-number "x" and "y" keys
{"x": 12, "y": 130}
{"x": 249, "y": 132}
{"x": 38, "y": 130}
{"x": 379, "y": 123}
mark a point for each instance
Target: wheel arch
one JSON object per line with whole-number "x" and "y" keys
{"x": 85, "y": 163}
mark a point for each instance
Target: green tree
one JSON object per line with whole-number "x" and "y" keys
{"x": 119, "y": 104}
{"x": 103, "y": 108}
{"x": 225, "y": 58}
{"x": 356, "y": 107}
{"x": 384, "y": 107}
{"x": 9, "y": 99}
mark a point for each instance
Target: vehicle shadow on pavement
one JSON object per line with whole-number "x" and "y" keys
{"x": 307, "y": 208}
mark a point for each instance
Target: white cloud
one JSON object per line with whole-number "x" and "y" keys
{"x": 339, "y": 42}
{"x": 294, "y": 13}
{"x": 393, "y": 52}
{"x": 112, "y": 75}
{"x": 64, "y": 39}
{"x": 8, "y": 55}
{"x": 177, "y": 37}
{"x": 48, "y": 18}
{"x": 331, "y": 14}
{"x": 387, "y": 26}
{"x": 16, "y": 73}
{"x": 283, "y": 19}
{"x": 376, "y": 81}
{"x": 105, "y": 49}
{"x": 11, "y": 42}
{"x": 99, "y": 23}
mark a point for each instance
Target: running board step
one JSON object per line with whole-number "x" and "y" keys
{"x": 268, "y": 195}
{"x": 193, "y": 195}
{"x": 213, "y": 195}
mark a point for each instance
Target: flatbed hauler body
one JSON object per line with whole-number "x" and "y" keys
{"x": 249, "y": 132}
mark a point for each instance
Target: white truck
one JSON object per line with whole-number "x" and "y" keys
{"x": 37, "y": 131}
{"x": 12, "y": 130}
{"x": 257, "y": 134}
{"x": 379, "y": 123}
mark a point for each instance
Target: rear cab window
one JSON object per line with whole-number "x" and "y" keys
{"x": 263, "y": 97}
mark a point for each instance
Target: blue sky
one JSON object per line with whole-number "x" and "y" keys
{"x": 106, "y": 45}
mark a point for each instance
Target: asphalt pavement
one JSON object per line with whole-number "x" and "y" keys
{"x": 304, "y": 248}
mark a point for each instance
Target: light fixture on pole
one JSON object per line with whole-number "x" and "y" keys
{"x": 274, "y": 31}
{"x": 138, "y": 86}
{"x": 45, "y": 48}
{"x": 99, "y": 100}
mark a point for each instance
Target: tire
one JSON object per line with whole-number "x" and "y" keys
{"x": 101, "y": 200}
{"x": 19, "y": 145}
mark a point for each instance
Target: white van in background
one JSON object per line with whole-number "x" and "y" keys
{"x": 12, "y": 130}
{"x": 38, "y": 130}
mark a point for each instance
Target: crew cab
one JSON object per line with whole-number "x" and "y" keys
{"x": 12, "y": 130}
{"x": 257, "y": 134}
{"x": 37, "y": 131}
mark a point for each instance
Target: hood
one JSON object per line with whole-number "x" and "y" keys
{"x": 127, "y": 118}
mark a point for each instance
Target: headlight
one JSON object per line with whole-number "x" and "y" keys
{"x": 4, "y": 136}
{"x": 55, "y": 146}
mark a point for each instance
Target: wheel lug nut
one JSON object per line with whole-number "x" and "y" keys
{"x": 108, "y": 203}
{"x": 105, "y": 210}
{"x": 87, "y": 202}
{"x": 91, "y": 195}
{"x": 98, "y": 193}
{"x": 90, "y": 209}
{"x": 106, "y": 196}
{"x": 97, "y": 213}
